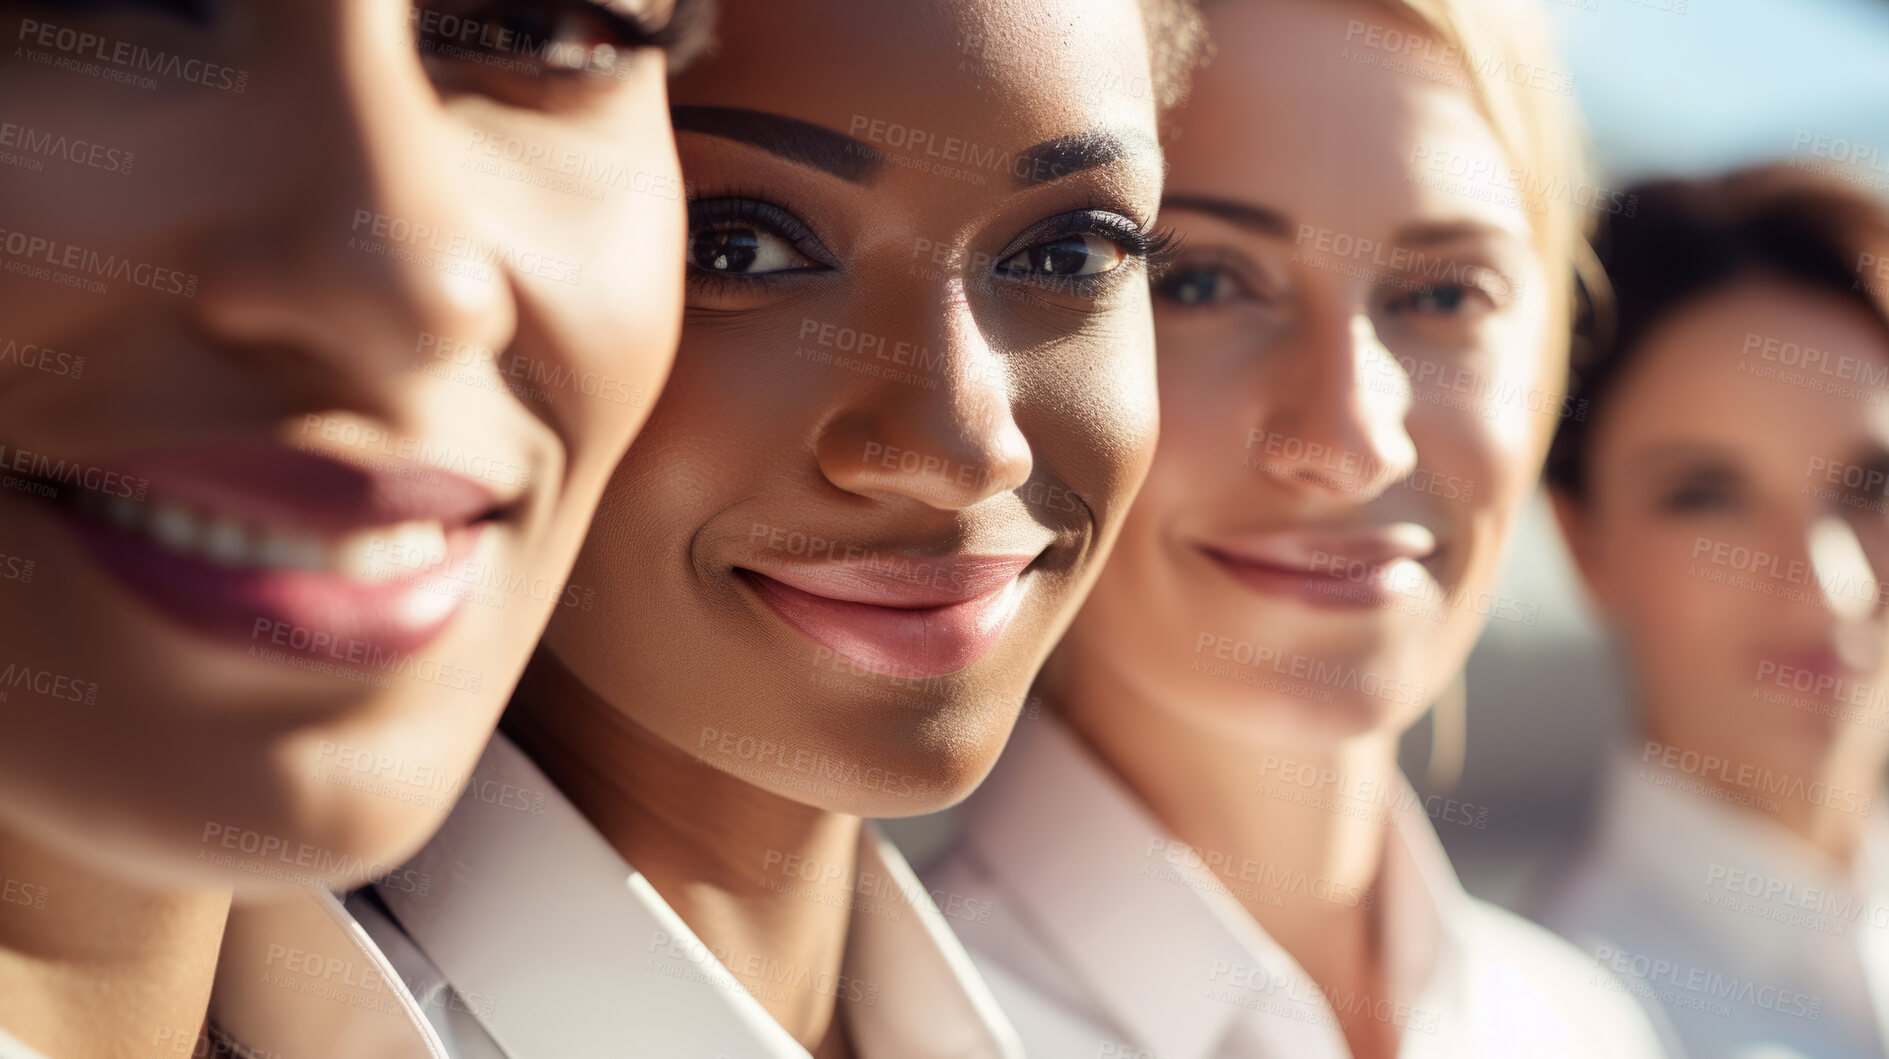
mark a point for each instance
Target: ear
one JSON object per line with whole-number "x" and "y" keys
{"x": 1583, "y": 545}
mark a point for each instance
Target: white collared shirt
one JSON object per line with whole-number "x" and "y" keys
{"x": 535, "y": 940}
{"x": 302, "y": 979}
{"x": 11, "y": 1048}
{"x": 1753, "y": 943}
{"x": 1105, "y": 937}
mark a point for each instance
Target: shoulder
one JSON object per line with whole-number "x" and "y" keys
{"x": 1523, "y": 974}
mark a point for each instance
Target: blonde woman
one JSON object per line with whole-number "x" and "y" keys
{"x": 1203, "y": 847}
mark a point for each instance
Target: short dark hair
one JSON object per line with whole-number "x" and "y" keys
{"x": 1687, "y": 239}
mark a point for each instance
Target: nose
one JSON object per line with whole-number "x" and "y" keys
{"x": 942, "y": 433}
{"x": 356, "y": 248}
{"x": 1333, "y": 418}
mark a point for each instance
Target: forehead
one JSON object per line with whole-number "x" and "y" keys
{"x": 1343, "y": 115}
{"x": 997, "y": 73}
{"x": 1778, "y": 371}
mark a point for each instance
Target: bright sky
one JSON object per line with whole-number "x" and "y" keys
{"x": 1724, "y": 82}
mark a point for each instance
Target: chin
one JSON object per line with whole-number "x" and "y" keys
{"x": 882, "y": 758}
{"x": 314, "y": 831}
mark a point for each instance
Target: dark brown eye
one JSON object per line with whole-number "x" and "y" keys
{"x": 747, "y": 237}
{"x": 1197, "y": 286}
{"x": 529, "y": 39}
{"x": 1072, "y": 255}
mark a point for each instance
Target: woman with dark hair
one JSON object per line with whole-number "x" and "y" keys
{"x": 1725, "y": 500}
{"x": 914, "y": 398}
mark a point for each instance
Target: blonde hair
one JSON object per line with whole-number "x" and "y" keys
{"x": 1540, "y": 128}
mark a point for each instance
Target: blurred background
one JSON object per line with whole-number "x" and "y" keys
{"x": 1669, "y": 88}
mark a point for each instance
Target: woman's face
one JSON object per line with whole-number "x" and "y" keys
{"x": 1354, "y": 362}
{"x": 914, "y": 397}
{"x": 323, "y": 327}
{"x": 1735, "y": 526}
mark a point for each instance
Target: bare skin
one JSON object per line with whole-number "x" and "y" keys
{"x": 273, "y": 297}
{"x": 996, "y": 410}
{"x": 1697, "y": 446}
{"x": 1317, "y": 493}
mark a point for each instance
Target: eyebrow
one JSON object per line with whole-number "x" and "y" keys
{"x": 1271, "y": 222}
{"x": 1068, "y": 155}
{"x": 858, "y": 162}
{"x": 1669, "y": 455}
{"x": 800, "y": 142}
{"x": 1437, "y": 233}
{"x": 1242, "y": 214}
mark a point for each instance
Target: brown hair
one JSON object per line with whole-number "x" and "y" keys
{"x": 1687, "y": 239}
{"x": 1177, "y": 44}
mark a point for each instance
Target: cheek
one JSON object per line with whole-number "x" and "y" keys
{"x": 1473, "y": 478}
{"x": 1674, "y": 616}
{"x": 603, "y": 278}
{"x": 1092, "y": 415}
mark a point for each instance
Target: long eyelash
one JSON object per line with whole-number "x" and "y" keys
{"x": 736, "y": 208}
{"x": 1159, "y": 250}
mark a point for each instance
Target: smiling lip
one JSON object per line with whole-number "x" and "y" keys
{"x": 900, "y": 616}
{"x": 276, "y": 548}
{"x": 1336, "y": 569}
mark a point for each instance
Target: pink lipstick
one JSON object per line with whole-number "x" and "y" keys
{"x": 1340, "y": 569}
{"x": 888, "y": 619}
{"x": 271, "y": 547}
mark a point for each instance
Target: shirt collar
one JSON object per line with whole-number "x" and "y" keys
{"x": 1136, "y": 918}
{"x": 11, "y": 1048}
{"x": 532, "y": 908}
{"x": 300, "y": 979}
{"x": 1674, "y": 831}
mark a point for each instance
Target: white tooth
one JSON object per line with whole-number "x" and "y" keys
{"x": 227, "y": 541}
{"x": 310, "y": 554}
{"x": 124, "y": 513}
{"x": 364, "y": 555}
{"x": 277, "y": 549}
{"x": 403, "y": 547}
{"x": 428, "y": 541}
{"x": 175, "y": 527}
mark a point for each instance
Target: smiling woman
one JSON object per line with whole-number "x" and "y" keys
{"x": 915, "y": 394}
{"x": 279, "y": 517}
{"x": 1204, "y": 847}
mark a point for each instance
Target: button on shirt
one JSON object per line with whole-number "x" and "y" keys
{"x": 1750, "y": 940}
{"x": 535, "y": 940}
{"x": 1102, "y": 935}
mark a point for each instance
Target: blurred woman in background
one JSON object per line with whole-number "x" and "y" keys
{"x": 1726, "y": 500}
{"x": 314, "y": 361}
{"x": 1205, "y": 847}
{"x": 914, "y": 398}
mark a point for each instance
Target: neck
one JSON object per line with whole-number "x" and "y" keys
{"x": 1257, "y": 813}
{"x": 764, "y": 881}
{"x": 93, "y": 965}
